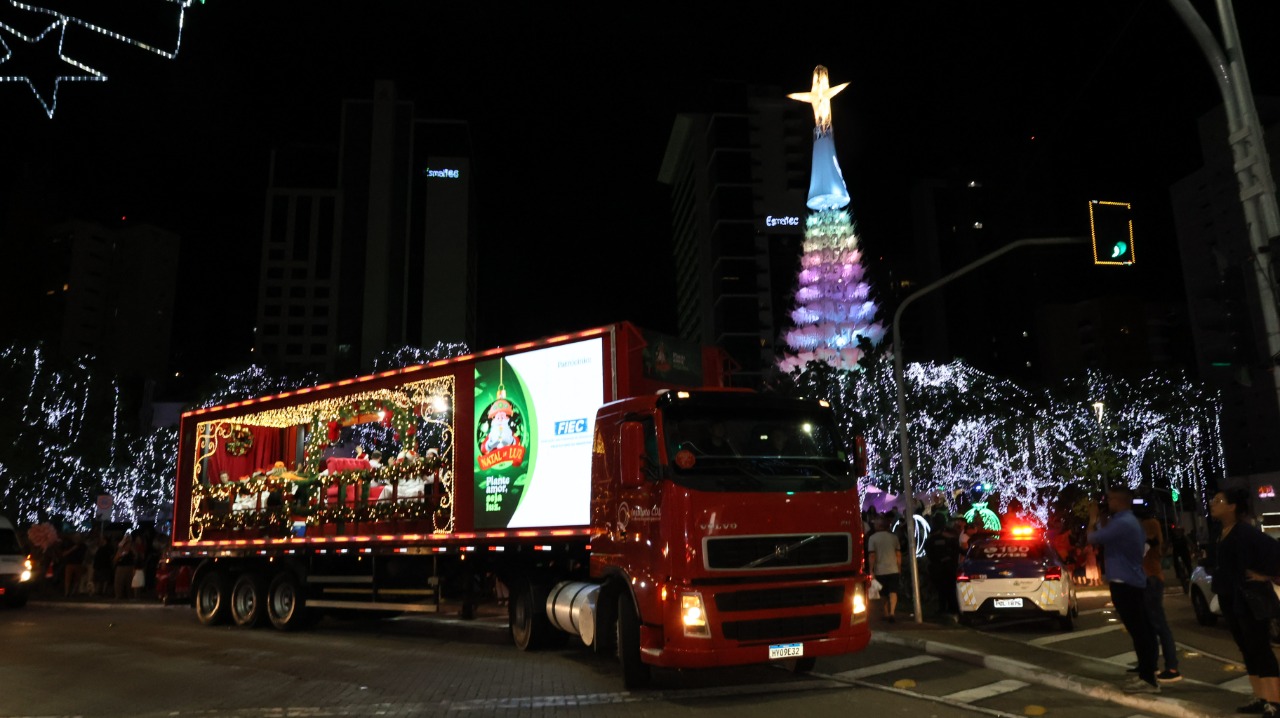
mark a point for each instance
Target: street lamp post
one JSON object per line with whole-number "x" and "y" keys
{"x": 1249, "y": 153}
{"x": 903, "y": 441}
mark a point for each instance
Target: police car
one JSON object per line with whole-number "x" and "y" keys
{"x": 1015, "y": 575}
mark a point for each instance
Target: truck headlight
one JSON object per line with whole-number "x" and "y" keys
{"x": 693, "y": 615}
{"x": 859, "y": 603}
{"x": 26, "y": 571}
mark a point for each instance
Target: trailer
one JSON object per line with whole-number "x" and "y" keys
{"x": 605, "y": 478}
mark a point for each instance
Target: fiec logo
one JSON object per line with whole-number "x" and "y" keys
{"x": 572, "y": 426}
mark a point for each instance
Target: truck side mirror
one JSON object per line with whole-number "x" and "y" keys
{"x": 631, "y": 458}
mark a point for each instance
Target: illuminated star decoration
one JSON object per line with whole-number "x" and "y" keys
{"x": 820, "y": 97}
{"x": 59, "y": 21}
{"x": 50, "y": 103}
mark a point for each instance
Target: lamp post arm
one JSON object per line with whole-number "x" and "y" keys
{"x": 903, "y": 443}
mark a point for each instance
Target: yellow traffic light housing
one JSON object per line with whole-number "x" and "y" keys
{"x": 1111, "y": 227}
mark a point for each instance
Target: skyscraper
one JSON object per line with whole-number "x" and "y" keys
{"x": 738, "y": 177}
{"x": 372, "y": 251}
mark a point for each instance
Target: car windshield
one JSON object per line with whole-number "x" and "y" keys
{"x": 9, "y": 542}
{"x": 780, "y": 450}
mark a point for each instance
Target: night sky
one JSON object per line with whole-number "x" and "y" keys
{"x": 570, "y": 111}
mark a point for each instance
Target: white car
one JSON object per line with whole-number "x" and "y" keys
{"x": 1205, "y": 602}
{"x": 1017, "y": 576}
{"x": 15, "y": 567}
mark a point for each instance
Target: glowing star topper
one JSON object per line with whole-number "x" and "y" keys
{"x": 820, "y": 97}
{"x": 25, "y": 26}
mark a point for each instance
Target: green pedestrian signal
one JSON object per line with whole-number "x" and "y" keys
{"x": 1111, "y": 226}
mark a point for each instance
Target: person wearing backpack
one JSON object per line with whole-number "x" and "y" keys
{"x": 1246, "y": 558}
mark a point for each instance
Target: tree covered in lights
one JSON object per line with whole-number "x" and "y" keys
{"x": 70, "y": 437}
{"x": 976, "y": 438}
{"x": 834, "y": 312}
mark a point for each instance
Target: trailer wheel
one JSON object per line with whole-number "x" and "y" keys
{"x": 249, "y": 600}
{"x": 213, "y": 598}
{"x": 527, "y": 614}
{"x": 286, "y": 605}
{"x": 635, "y": 673}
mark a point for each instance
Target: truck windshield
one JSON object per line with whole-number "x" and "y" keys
{"x": 715, "y": 449}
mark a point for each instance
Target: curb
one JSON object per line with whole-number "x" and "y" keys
{"x": 130, "y": 604}
{"x": 1100, "y": 690}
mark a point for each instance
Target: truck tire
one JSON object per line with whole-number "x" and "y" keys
{"x": 635, "y": 673}
{"x": 249, "y": 600}
{"x": 213, "y": 598}
{"x": 15, "y": 599}
{"x": 527, "y": 613}
{"x": 286, "y": 603}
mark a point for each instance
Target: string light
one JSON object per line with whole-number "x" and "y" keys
{"x": 972, "y": 433}
{"x": 57, "y": 23}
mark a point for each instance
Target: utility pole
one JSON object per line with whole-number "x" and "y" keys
{"x": 908, "y": 493}
{"x": 1249, "y": 153}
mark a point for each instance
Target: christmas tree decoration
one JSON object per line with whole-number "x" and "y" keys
{"x": 34, "y": 31}
{"x": 835, "y": 317}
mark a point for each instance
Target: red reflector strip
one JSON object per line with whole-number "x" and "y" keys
{"x": 962, "y": 578}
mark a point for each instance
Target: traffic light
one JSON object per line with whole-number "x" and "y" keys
{"x": 1111, "y": 226}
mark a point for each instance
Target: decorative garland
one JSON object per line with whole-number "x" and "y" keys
{"x": 241, "y": 441}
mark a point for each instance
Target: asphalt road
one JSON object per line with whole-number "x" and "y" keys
{"x": 59, "y": 659}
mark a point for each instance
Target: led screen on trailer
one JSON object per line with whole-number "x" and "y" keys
{"x": 535, "y": 416}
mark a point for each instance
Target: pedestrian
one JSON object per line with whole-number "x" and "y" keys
{"x": 103, "y": 566}
{"x": 885, "y": 559}
{"x": 123, "y": 562}
{"x": 73, "y": 565}
{"x": 942, "y": 550}
{"x": 1246, "y": 556}
{"x": 1153, "y": 567}
{"x": 1123, "y": 540}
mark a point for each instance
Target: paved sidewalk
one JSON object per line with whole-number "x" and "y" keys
{"x": 1093, "y": 677}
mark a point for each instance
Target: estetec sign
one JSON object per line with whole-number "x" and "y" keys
{"x": 786, "y": 224}
{"x": 790, "y": 221}
{"x": 443, "y": 173}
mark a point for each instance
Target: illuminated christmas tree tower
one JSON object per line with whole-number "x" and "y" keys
{"x": 834, "y": 308}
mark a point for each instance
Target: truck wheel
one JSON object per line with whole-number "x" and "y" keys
{"x": 1067, "y": 623}
{"x": 527, "y": 613}
{"x": 635, "y": 673}
{"x": 15, "y": 599}
{"x": 286, "y": 605}
{"x": 965, "y": 619}
{"x": 213, "y": 598}
{"x": 249, "y": 600}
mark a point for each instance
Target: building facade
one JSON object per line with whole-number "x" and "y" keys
{"x": 739, "y": 177}
{"x": 371, "y": 250}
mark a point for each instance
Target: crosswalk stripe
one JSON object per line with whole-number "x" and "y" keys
{"x": 1056, "y": 638}
{"x": 1238, "y": 685}
{"x": 1123, "y": 659}
{"x": 988, "y": 691}
{"x": 886, "y": 667}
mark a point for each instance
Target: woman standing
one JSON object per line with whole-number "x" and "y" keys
{"x": 1246, "y": 555}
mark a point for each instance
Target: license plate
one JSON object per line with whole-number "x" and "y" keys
{"x": 1008, "y": 603}
{"x": 786, "y": 650}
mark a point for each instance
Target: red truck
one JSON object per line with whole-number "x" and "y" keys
{"x": 604, "y": 477}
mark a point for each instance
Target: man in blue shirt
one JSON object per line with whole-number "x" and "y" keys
{"x": 1123, "y": 542}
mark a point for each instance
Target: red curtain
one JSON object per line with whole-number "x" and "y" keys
{"x": 267, "y": 449}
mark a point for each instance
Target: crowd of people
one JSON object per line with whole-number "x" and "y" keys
{"x": 1126, "y": 551}
{"x": 98, "y": 564}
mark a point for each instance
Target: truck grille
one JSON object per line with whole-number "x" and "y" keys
{"x": 779, "y": 598}
{"x": 771, "y": 629}
{"x": 769, "y": 553}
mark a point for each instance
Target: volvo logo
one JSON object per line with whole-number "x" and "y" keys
{"x": 781, "y": 550}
